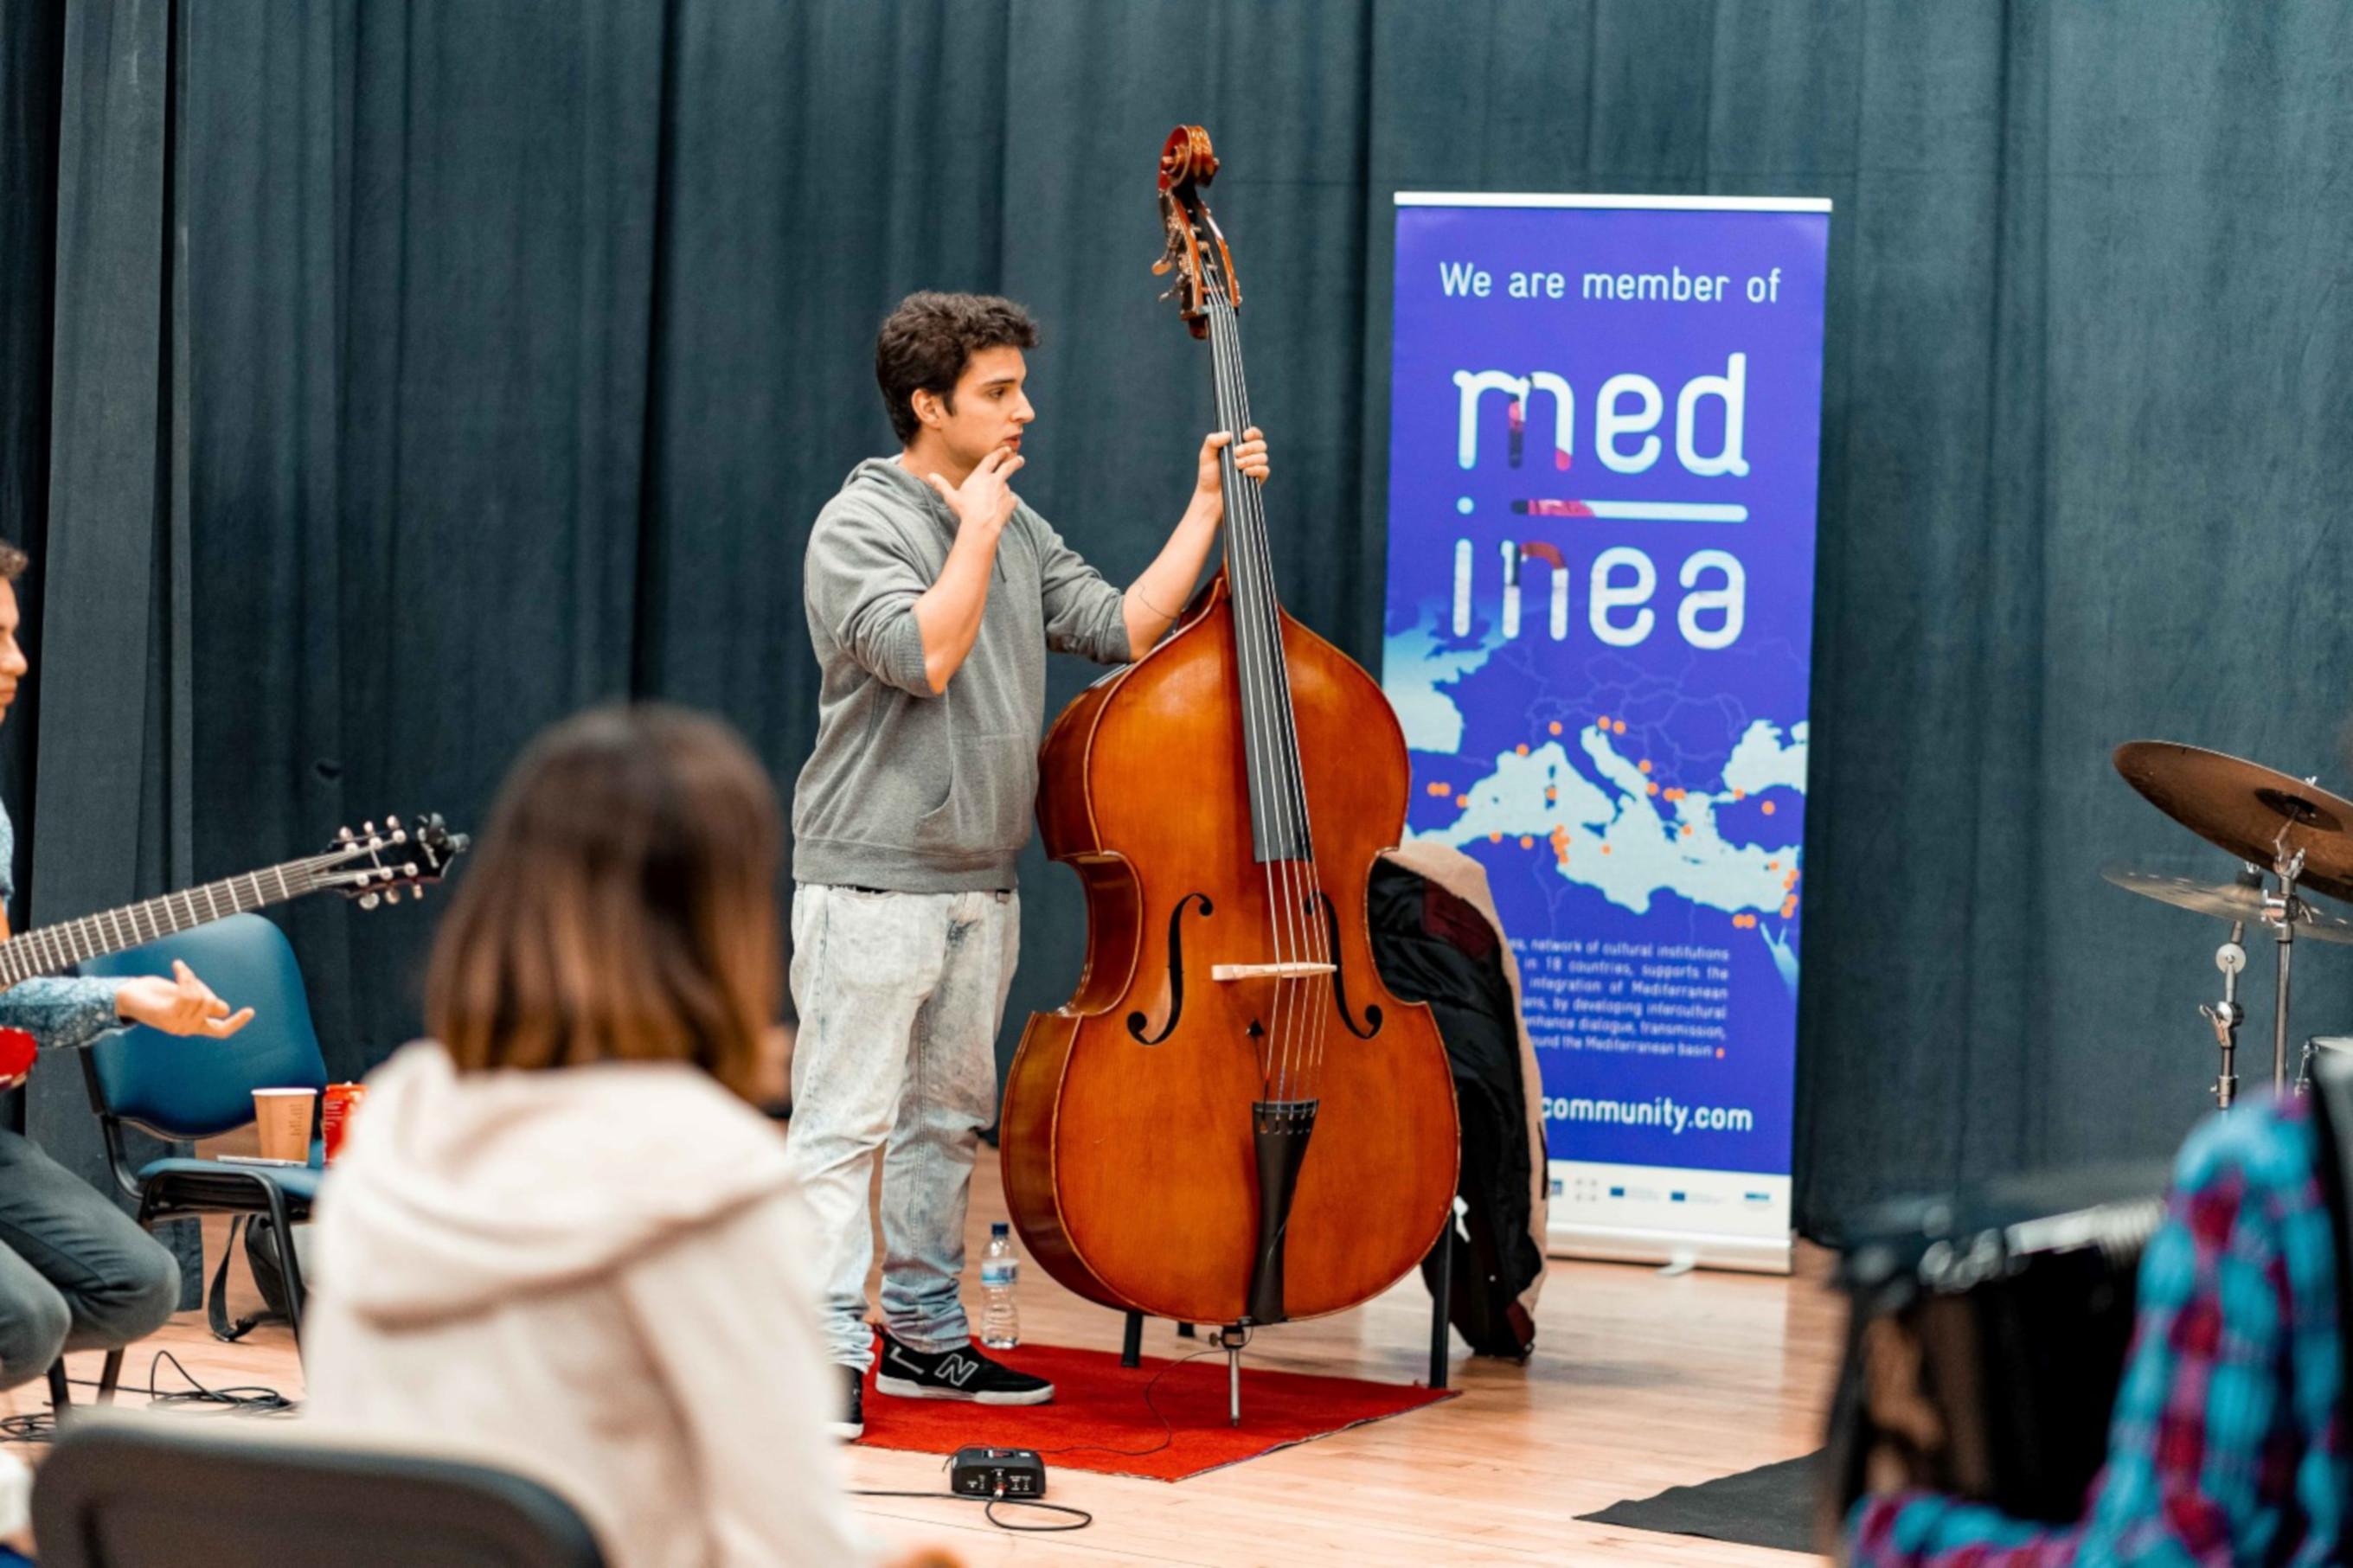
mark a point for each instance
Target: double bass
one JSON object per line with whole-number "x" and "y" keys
{"x": 1231, "y": 1121}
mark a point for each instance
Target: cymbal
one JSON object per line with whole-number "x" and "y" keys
{"x": 2224, "y": 901}
{"x": 2243, "y": 808}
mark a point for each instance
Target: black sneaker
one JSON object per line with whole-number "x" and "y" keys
{"x": 852, "y": 1422}
{"x": 960, "y": 1373}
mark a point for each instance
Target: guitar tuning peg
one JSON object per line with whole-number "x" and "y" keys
{"x": 369, "y": 828}
{"x": 409, "y": 870}
{"x": 344, "y": 836}
{"x": 368, "y": 901}
{"x": 400, "y": 835}
{"x": 393, "y": 822}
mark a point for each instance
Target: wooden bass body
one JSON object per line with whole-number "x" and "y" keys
{"x": 1135, "y": 1133}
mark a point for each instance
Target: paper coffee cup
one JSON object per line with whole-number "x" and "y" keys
{"x": 283, "y": 1118}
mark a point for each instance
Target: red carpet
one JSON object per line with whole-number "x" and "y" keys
{"x": 1099, "y": 1420}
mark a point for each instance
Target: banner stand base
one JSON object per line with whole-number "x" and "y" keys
{"x": 1738, "y": 1253}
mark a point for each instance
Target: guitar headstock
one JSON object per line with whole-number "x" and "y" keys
{"x": 1197, "y": 251}
{"x": 376, "y": 865}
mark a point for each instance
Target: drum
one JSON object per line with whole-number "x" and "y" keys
{"x": 1987, "y": 1336}
{"x": 2340, "y": 1045}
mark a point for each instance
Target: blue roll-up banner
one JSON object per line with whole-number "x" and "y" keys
{"x": 1605, "y": 419}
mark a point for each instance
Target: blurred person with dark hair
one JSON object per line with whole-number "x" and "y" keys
{"x": 933, "y": 594}
{"x": 76, "y": 1272}
{"x": 560, "y": 1228}
{"x": 2228, "y": 1441}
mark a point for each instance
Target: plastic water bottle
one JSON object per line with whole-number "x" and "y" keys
{"x": 1000, "y": 1322}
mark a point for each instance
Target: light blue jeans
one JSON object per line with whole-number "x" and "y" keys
{"x": 900, "y": 995}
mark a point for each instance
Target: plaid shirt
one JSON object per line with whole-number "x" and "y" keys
{"x": 2228, "y": 1443}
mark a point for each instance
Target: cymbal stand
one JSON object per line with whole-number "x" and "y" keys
{"x": 2226, "y": 1016}
{"x": 2282, "y": 909}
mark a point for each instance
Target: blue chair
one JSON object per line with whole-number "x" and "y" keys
{"x": 200, "y": 1088}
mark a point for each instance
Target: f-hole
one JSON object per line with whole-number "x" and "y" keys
{"x": 1372, "y": 1025}
{"x": 1136, "y": 1021}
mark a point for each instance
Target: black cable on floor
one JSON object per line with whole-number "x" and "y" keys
{"x": 41, "y": 1426}
{"x": 1167, "y": 1427}
{"x": 989, "y": 1505}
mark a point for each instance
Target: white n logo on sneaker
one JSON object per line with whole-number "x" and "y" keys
{"x": 955, "y": 1368}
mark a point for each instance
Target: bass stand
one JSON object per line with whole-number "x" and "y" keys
{"x": 2282, "y": 909}
{"x": 1231, "y": 1340}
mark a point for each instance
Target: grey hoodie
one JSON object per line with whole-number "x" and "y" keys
{"x": 906, "y": 791}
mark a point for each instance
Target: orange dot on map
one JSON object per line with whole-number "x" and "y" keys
{"x": 1687, "y": 830}
{"x": 1767, "y": 808}
{"x": 1740, "y": 794}
{"x": 1605, "y": 849}
{"x": 1464, "y": 801}
{"x": 1772, "y": 865}
{"x": 1603, "y": 721}
{"x": 1652, "y": 789}
{"x": 1440, "y": 788}
{"x": 1618, "y": 727}
{"x": 1527, "y": 842}
{"x": 1522, "y": 748}
{"x": 1644, "y": 764}
{"x": 1719, "y": 1053}
{"x": 1554, "y": 726}
{"x": 1495, "y": 838}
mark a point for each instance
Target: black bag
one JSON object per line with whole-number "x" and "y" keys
{"x": 1432, "y": 947}
{"x": 268, "y": 1276}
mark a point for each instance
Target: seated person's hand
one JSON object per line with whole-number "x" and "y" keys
{"x": 182, "y": 1005}
{"x": 1908, "y": 1424}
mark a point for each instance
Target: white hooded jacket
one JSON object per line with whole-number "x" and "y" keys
{"x": 595, "y": 1271}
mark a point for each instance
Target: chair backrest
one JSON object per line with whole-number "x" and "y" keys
{"x": 197, "y": 1088}
{"x": 157, "y": 1492}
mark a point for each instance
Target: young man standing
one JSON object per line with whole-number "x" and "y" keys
{"x": 76, "y": 1272}
{"x": 933, "y": 594}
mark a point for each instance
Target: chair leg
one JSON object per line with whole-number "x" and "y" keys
{"x": 290, "y": 1266}
{"x": 1130, "y": 1346}
{"x": 60, "y": 1394}
{"x": 1441, "y": 1297}
{"x": 109, "y": 1376}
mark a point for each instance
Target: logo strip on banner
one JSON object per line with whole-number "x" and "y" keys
{"x": 1605, "y": 423}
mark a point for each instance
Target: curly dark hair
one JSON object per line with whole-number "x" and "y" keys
{"x": 925, "y": 343}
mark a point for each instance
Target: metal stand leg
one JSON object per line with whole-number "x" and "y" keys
{"x": 1131, "y": 1348}
{"x": 1441, "y": 1297}
{"x": 1231, "y": 1340}
{"x": 2283, "y": 911}
{"x": 2226, "y": 1016}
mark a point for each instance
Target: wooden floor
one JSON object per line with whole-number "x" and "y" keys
{"x": 1639, "y": 1383}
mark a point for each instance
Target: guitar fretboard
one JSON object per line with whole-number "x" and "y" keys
{"x": 51, "y": 950}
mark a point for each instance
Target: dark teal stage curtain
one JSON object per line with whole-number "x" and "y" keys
{"x": 519, "y": 344}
